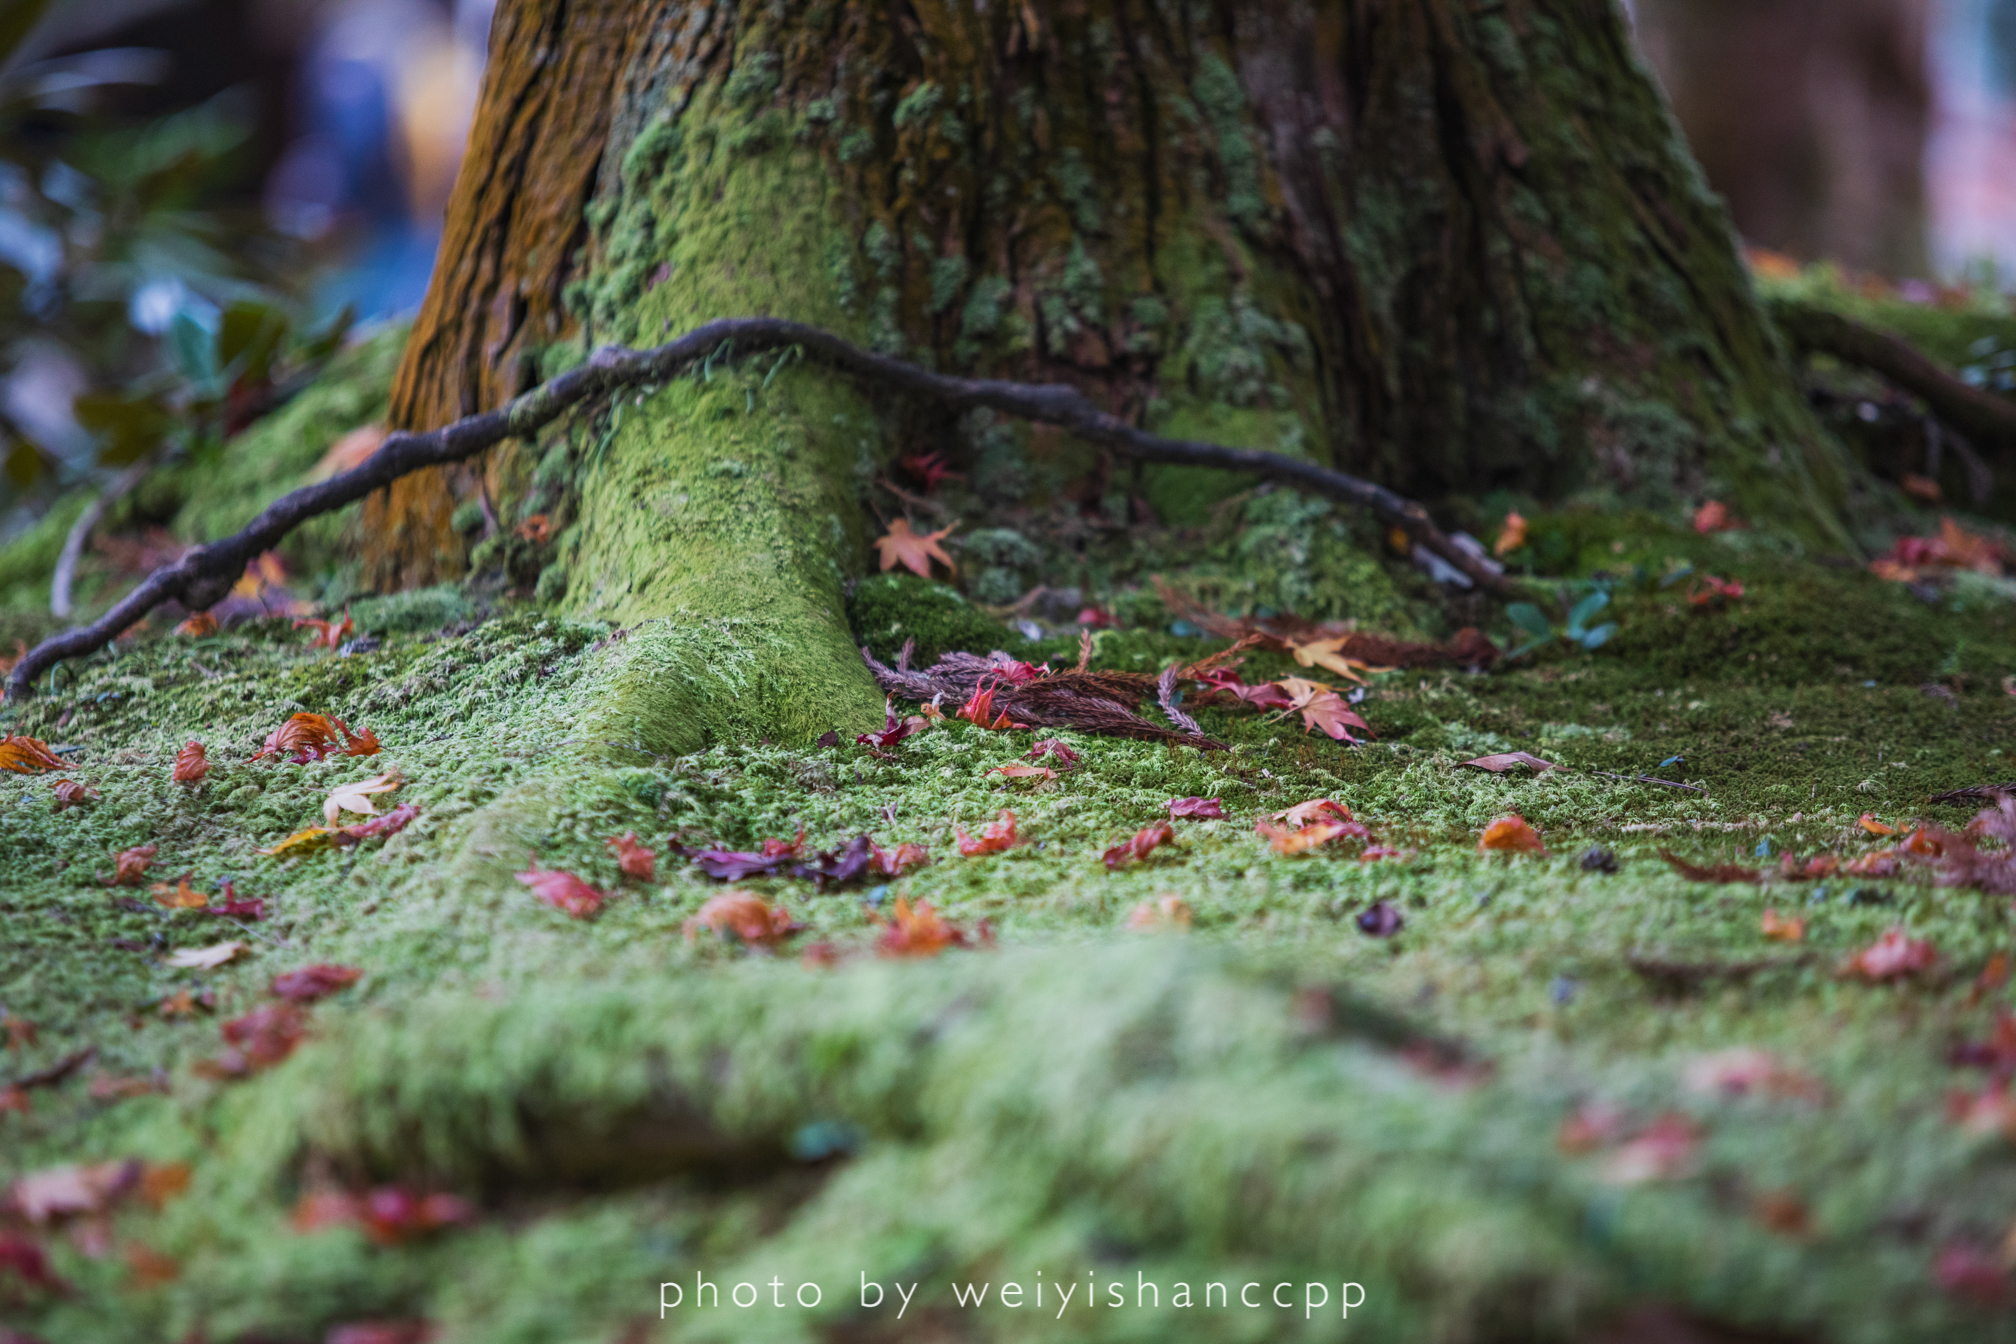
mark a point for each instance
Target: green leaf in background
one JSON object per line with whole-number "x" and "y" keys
{"x": 1530, "y": 619}
{"x": 1587, "y": 607}
{"x": 193, "y": 348}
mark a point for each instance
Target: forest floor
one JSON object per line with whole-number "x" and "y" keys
{"x": 1505, "y": 1095}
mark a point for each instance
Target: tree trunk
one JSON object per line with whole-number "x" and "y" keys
{"x": 1453, "y": 245}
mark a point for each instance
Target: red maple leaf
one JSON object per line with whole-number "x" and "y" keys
{"x": 912, "y": 550}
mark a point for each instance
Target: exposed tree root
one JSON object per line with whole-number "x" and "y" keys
{"x": 205, "y": 574}
{"x": 1989, "y": 420}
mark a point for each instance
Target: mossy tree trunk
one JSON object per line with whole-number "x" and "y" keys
{"x": 1454, "y": 245}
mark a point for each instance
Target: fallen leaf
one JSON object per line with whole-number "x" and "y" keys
{"x": 916, "y": 933}
{"x": 1590, "y": 1126}
{"x": 328, "y": 634}
{"x": 562, "y": 890}
{"x": 1506, "y": 760}
{"x": 1145, "y": 841}
{"x": 1167, "y": 911}
{"x": 389, "y": 1215}
{"x": 1875, "y": 827}
{"x": 1876, "y": 863}
{"x": 1973, "y": 1273}
{"x": 72, "y": 1189}
{"x": 891, "y": 863}
{"x": 1316, "y": 809}
{"x": 1748, "y": 1071}
{"x": 980, "y": 710}
{"x": 1380, "y": 920}
{"x": 1018, "y": 771}
{"x": 393, "y": 822}
{"x": 28, "y": 755}
{"x": 894, "y": 730}
{"x": 1713, "y": 516}
{"x": 1715, "y": 872}
{"x": 72, "y": 793}
{"x": 1990, "y": 1111}
{"x": 1324, "y": 653}
{"x": 313, "y": 737}
{"x": 1664, "y": 1150}
{"x": 1954, "y": 548}
{"x": 1196, "y": 809}
{"x": 301, "y": 842}
{"x": 129, "y": 868}
{"x": 635, "y": 860}
{"x": 357, "y": 797}
{"x": 191, "y": 764}
{"x": 1783, "y": 928}
{"x": 151, "y": 1269}
{"x": 26, "y": 1261}
{"x": 181, "y": 896}
{"x": 204, "y": 958}
{"x": 1511, "y": 834}
{"x": 913, "y": 551}
{"x": 1333, "y": 714}
{"x": 999, "y": 835}
{"x": 260, "y": 1039}
{"x": 1288, "y": 840}
{"x": 537, "y": 529}
{"x": 746, "y": 916}
{"x": 1892, "y": 956}
{"x": 1707, "y": 590}
{"x": 1511, "y": 536}
{"x": 1056, "y": 750}
{"x": 197, "y": 626}
{"x": 929, "y": 468}
{"x": 315, "y": 982}
{"x": 1819, "y": 866}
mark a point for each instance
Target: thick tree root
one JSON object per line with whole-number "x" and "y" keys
{"x": 206, "y": 573}
{"x": 1985, "y": 418}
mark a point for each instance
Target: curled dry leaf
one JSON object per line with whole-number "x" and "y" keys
{"x": 1875, "y": 827}
{"x": 635, "y": 860}
{"x": 204, "y": 958}
{"x": 1167, "y": 911}
{"x": 313, "y": 737}
{"x": 1511, "y": 536}
{"x": 537, "y": 529}
{"x": 1876, "y": 863}
{"x": 1748, "y": 1071}
{"x": 71, "y": 1190}
{"x": 998, "y": 835}
{"x": 72, "y": 793}
{"x": 261, "y": 1038}
{"x": 921, "y": 932}
{"x": 315, "y": 982}
{"x": 1316, "y": 809}
{"x": 28, "y": 755}
{"x": 181, "y": 896}
{"x": 894, "y": 729}
{"x": 357, "y": 797}
{"x": 301, "y": 842}
{"x": 1195, "y": 809}
{"x": 1783, "y": 928}
{"x": 191, "y": 764}
{"x": 129, "y": 868}
{"x": 1713, "y": 516}
{"x": 328, "y": 634}
{"x": 1056, "y": 750}
{"x": 1507, "y": 760}
{"x": 1294, "y": 840}
{"x": 1714, "y": 872}
{"x": 979, "y": 710}
{"x": 1511, "y": 834}
{"x": 562, "y": 890}
{"x": 912, "y": 550}
{"x": 746, "y": 916}
{"x": 1892, "y": 957}
{"x": 393, "y": 822}
{"x": 1145, "y": 842}
{"x": 1019, "y": 771}
{"x": 197, "y": 626}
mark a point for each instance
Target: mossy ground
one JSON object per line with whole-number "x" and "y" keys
{"x": 1088, "y": 1097}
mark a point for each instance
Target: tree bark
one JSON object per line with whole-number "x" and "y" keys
{"x": 1452, "y": 245}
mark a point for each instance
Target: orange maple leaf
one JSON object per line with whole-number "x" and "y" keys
{"x": 311, "y": 737}
{"x": 1513, "y": 834}
{"x": 913, "y": 551}
{"x": 635, "y": 860}
{"x": 1512, "y": 536}
{"x": 1316, "y": 809}
{"x": 1875, "y": 827}
{"x": 999, "y": 835}
{"x": 28, "y": 755}
{"x": 917, "y": 933}
{"x": 181, "y": 896}
{"x": 328, "y": 634}
{"x": 72, "y": 793}
{"x": 1145, "y": 841}
{"x": 1291, "y": 841}
{"x": 200, "y": 624}
{"x": 130, "y": 866}
{"x": 745, "y": 915}
{"x": 1783, "y": 928}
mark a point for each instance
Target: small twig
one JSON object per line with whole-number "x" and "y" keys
{"x": 205, "y": 574}
{"x": 1979, "y": 793}
{"x": 1645, "y": 779}
{"x": 61, "y": 582}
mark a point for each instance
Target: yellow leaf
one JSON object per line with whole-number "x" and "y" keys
{"x": 299, "y": 843}
{"x": 203, "y": 958}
